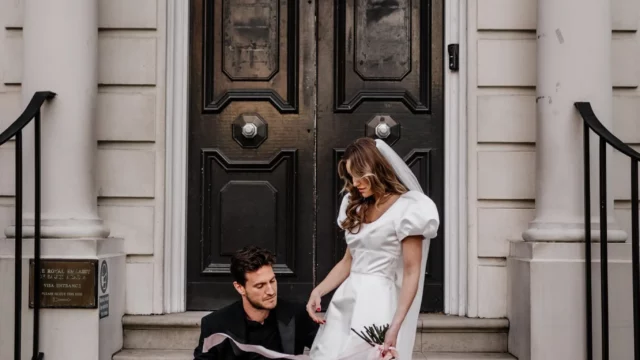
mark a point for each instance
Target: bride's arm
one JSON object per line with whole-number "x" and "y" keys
{"x": 412, "y": 256}
{"x": 335, "y": 277}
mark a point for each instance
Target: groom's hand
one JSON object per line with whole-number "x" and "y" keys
{"x": 313, "y": 306}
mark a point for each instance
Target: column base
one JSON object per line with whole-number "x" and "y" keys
{"x": 66, "y": 334}
{"x": 570, "y": 232}
{"x": 546, "y": 301}
{"x": 63, "y": 228}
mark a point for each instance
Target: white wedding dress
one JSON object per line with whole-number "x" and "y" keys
{"x": 370, "y": 294}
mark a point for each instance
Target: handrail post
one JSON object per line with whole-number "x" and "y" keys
{"x": 587, "y": 241}
{"x": 37, "y": 355}
{"x": 635, "y": 248}
{"x": 18, "y": 249}
{"x": 604, "y": 256}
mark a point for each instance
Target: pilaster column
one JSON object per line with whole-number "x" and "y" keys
{"x": 61, "y": 55}
{"x": 546, "y": 272}
{"x": 573, "y": 64}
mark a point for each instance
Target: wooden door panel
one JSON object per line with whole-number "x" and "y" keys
{"x": 232, "y": 219}
{"x": 251, "y": 143}
{"x": 378, "y": 47}
{"x": 387, "y": 66}
{"x": 250, "y": 53}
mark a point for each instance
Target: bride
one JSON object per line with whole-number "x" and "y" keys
{"x": 388, "y": 223}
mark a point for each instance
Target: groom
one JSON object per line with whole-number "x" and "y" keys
{"x": 260, "y": 318}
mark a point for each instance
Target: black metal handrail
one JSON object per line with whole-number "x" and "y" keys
{"x": 591, "y": 122}
{"x": 31, "y": 112}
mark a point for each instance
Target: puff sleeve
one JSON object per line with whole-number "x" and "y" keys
{"x": 419, "y": 217}
{"x": 342, "y": 214}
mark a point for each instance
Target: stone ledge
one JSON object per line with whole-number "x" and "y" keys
{"x": 184, "y": 320}
{"x": 449, "y": 323}
{"x": 426, "y": 322}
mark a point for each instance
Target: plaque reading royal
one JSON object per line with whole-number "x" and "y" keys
{"x": 65, "y": 283}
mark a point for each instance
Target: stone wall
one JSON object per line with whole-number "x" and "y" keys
{"x": 501, "y": 124}
{"x": 130, "y": 126}
{"x": 502, "y": 131}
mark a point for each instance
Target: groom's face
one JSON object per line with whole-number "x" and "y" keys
{"x": 261, "y": 288}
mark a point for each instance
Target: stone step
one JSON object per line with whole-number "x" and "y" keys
{"x": 442, "y": 333}
{"x": 462, "y": 356}
{"x": 188, "y": 355}
{"x": 179, "y": 331}
{"x": 435, "y": 333}
{"x": 147, "y": 354}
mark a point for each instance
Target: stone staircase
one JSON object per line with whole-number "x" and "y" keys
{"x": 439, "y": 337}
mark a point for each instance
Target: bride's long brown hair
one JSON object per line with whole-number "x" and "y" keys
{"x": 367, "y": 163}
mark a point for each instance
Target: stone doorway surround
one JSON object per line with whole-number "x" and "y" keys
{"x": 456, "y": 255}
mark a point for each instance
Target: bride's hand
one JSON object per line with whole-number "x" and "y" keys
{"x": 390, "y": 339}
{"x": 313, "y": 306}
{"x": 392, "y": 354}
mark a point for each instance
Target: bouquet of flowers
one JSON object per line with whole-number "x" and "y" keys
{"x": 374, "y": 335}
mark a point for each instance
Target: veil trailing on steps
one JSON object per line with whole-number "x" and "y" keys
{"x": 407, "y": 334}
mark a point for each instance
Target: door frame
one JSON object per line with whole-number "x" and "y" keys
{"x": 173, "y": 253}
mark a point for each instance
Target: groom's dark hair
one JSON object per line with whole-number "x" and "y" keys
{"x": 249, "y": 259}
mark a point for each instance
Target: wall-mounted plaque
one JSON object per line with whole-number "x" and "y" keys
{"x": 66, "y": 283}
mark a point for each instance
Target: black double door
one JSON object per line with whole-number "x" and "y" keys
{"x": 278, "y": 89}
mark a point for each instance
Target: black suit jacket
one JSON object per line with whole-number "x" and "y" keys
{"x": 297, "y": 330}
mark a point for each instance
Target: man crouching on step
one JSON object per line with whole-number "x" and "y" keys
{"x": 260, "y": 317}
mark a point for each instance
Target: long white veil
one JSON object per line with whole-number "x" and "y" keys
{"x": 404, "y": 174}
{"x": 407, "y": 334}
